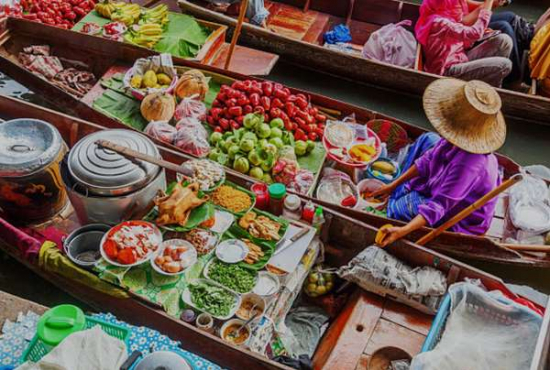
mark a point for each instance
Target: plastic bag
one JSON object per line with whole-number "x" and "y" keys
{"x": 529, "y": 205}
{"x": 337, "y": 187}
{"x": 392, "y": 44}
{"x": 161, "y": 130}
{"x": 302, "y": 182}
{"x": 285, "y": 171}
{"x": 158, "y": 63}
{"x": 374, "y": 265}
{"x": 484, "y": 331}
{"x": 190, "y": 107}
{"x": 192, "y": 138}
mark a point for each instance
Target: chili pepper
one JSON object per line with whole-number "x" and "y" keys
{"x": 311, "y": 127}
{"x": 256, "y": 90}
{"x": 259, "y": 109}
{"x": 290, "y": 109}
{"x": 243, "y": 101}
{"x": 313, "y": 111}
{"x": 247, "y": 85}
{"x": 266, "y": 117}
{"x": 235, "y": 111}
{"x": 238, "y": 85}
{"x": 300, "y": 135}
{"x": 216, "y": 112}
{"x": 287, "y": 91}
{"x": 292, "y": 98}
{"x": 247, "y": 109}
{"x": 301, "y": 123}
{"x": 70, "y": 15}
{"x": 79, "y": 11}
{"x": 255, "y": 99}
{"x": 233, "y": 94}
{"x": 266, "y": 102}
{"x": 231, "y": 102}
{"x": 218, "y": 129}
{"x": 30, "y": 16}
{"x": 267, "y": 87}
{"x": 349, "y": 201}
{"x": 319, "y": 131}
{"x": 320, "y": 118}
{"x": 210, "y": 120}
{"x": 239, "y": 119}
{"x": 216, "y": 103}
{"x": 277, "y": 86}
{"x": 234, "y": 124}
{"x": 288, "y": 126}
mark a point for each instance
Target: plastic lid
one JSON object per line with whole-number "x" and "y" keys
{"x": 277, "y": 191}
{"x": 27, "y": 146}
{"x": 319, "y": 211}
{"x": 292, "y": 202}
{"x": 60, "y": 322}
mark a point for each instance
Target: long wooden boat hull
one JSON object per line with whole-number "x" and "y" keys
{"x": 104, "y": 53}
{"x": 343, "y": 237}
{"x": 309, "y": 55}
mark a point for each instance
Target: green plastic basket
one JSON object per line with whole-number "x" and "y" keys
{"x": 38, "y": 349}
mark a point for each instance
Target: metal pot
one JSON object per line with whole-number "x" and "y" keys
{"x": 82, "y": 245}
{"x": 31, "y": 189}
{"x": 106, "y": 187}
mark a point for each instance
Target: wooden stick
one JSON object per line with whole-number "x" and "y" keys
{"x": 237, "y": 33}
{"x": 468, "y": 211}
{"x": 127, "y": 152}
{"x": 350, "y": 12}
{"x": 306, "y": 6}
{"x": 527, "y": 247}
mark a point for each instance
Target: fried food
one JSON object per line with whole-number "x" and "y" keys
{"x": 260, "y": 227}
{"x": 255, "y": 253}
{"x": 176, "y": 207}
{"x": 232, "y": 199}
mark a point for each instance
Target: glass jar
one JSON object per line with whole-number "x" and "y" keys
{"x": 277, "y": 193}
{"x": 262, "y": 196}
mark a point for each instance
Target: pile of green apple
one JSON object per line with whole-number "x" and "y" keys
{"x": 254, "y": 148}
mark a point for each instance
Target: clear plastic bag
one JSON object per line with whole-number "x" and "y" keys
{"x": 192, "y": 138}
{"x": 484, "y": 331}
{"x": 529, "y": 206}
{"x": 190, "y": 107}
{"x": 336, "y": 186}
{"x": 302, "y": 182}
{"x": 162, "y": 131}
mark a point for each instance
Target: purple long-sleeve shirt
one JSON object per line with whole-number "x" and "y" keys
{"x": 452, "y": 179}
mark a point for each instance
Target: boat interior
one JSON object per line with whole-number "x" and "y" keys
{"x": 361, "y": 322}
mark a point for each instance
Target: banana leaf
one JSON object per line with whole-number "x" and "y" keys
{"x": 184, "y": 36}
{"x": 236, "y": 232}
{"x": 284, "y": 224}
{"x": 121, "y": 107}
{"x": 250, "y": 194}
{"x": 314, "y": 160}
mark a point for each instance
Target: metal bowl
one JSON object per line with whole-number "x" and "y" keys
{"x": 82, "y": 245}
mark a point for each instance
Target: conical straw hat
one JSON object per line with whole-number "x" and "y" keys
{"x": 467, "y": 114}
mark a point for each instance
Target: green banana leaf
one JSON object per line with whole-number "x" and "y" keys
{"x": 236, "y": 232}
{"x": 184, "y": 36}
{"x": 314, "y": 160}
{"x": 284, "y": 224}
{"x": 121, "y": 107}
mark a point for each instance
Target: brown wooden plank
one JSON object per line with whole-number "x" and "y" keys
{"x": 407, "y": 317}
{"x": 315, "y": 32}
{"x": 11, "y": 306}
{"x": 389, "y": 334}
{"x": 247, "y": 61}
{"x": 346, "y": 338}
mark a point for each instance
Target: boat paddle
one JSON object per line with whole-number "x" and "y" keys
{"x": 237, "y": 33}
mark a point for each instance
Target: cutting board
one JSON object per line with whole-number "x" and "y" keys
{"x": 289, "y": 259}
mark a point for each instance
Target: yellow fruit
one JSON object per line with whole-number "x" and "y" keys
{"x": 163, "y": 79}
{"x": 157, "y": 86}
{"x": 136, "y": 81}
{"x": 384, "y": 167}
{"x": 381, "y": 234}
{"x": 311, "y": 288}
{"x": 150, "y": 79}
{"x": 313, "y": 278}
{"x": 321, "y": 289}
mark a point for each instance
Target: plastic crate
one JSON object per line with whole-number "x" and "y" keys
{"x": 38, "y": 349}
{"x": 438, "y": 325}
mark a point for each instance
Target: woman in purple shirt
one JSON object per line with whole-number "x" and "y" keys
{"x": 459, "y": 169}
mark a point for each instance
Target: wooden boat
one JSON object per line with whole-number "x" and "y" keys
{"x": 363, "y": 322}
{"x": 108, "y": 57}
{"x": 296, "y": 34}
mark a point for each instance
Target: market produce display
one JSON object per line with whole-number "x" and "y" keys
{"x": 206, "y": 173}
{"x": 273, "y": 101}
{"x": 130, "y": 242}
{"x": 212, "y": 299}
{"x": 204, "y": 241}
{"x": 261, "y": 227}
{"x": 318, "y": 282}
{"x": 58, "y": 13}
{"x": 351, "y": 144}
{"x": 232, "y": 276}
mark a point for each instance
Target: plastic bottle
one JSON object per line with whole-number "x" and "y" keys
{"x": 318, "y": 219}
{"x": 308, "y": 212}
{"x": 277, "y": 193}
{"x": 291, "y": 208}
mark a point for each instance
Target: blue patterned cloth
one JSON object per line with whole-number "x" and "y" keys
{"x": 340, "y": 33}
{"x": 144, "y": 339}
{"x": 16, "y": 337}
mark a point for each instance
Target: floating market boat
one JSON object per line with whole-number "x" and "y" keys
{"x": 295, "y": 32}
{"x": 361, "y": 323}
{"x": 108, "y": 58}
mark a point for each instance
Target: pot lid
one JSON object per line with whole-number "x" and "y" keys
{"x": 163, "y": 360}
{"x": 105, "y": 172}
{"x": 27, "y": 145}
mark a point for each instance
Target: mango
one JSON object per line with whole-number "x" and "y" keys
{"x": 136, "y": 81}
{"x": 163, "y": 79}
{"x": 150, "y": 79}
{"x": 384, "y": 167}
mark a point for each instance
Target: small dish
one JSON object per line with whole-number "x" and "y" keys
{"x": 229, "y": 327}
{"x": 206, "y": 274}
{"x": 249, "y": 301}
{"x": 231, "y": 251}
{"x": 266, "y": 285}
{"x": 187, "y": 258}
{"x": 223, "y": 221}
{"x": 188, "y": 300}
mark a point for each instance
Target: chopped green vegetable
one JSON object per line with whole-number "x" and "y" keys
{"x": 232, "y": 276}
{"x": 212, "y": 299}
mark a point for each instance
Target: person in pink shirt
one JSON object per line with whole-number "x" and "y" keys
{"x": 451, "y": 38}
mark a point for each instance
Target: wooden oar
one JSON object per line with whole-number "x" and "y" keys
{"x": 237, "y": 33}
{"x": 527, "y": 247}
{"x": 468, "y": 211}
{"x": 127, "y": 152}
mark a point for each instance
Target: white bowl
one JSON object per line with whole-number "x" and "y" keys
{"x": 232, "y": 251}
{"x": 233, "y": 322}
{"x": 178, "y": 243}
{"x": 157, "y": 237}
{"x": 255, "y": 299}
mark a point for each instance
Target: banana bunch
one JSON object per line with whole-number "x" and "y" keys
{"x": 147, "y": 34}
{"x": 158, "y": 15}
{"x": 105, "y": 8}
{"x": 126, "y": 13}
